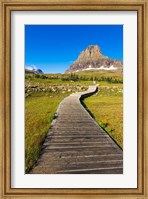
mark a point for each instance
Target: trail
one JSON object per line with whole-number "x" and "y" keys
{"x": 76, "y": 144}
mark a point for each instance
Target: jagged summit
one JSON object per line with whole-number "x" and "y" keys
{"x": 92, "y": 59}
{"x": 91, "y": 52}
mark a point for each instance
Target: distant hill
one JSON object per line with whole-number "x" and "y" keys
{"x": 33, "y": 71}
{"x": 92, "y": 59}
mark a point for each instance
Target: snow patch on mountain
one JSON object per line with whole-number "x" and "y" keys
{"x": 100, "y": 68}
{"x": 32, "y": 67}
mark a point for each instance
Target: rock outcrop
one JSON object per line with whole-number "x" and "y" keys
{"x": 92, "y": 59}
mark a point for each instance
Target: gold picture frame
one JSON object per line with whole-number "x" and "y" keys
{"x": 5, "y": 98}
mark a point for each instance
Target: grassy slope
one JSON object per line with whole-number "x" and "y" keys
{"x": 57, "y": 82}
{"x": 101, "y": 74}
{"x": 83, "y": 78}
{"x": 40, "y": 110}
{"x": 107, "y": 109}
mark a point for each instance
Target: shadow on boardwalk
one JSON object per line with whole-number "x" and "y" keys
{"x": 76, "y": 144}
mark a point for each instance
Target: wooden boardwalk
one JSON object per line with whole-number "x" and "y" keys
{"x": 76, "y": 144}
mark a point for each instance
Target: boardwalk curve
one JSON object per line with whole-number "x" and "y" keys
{"x": 76, "y": 144}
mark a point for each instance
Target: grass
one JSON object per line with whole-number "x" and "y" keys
{"x": 81, "y": 78}
{"x": 40, "y": 110}
{"x": 110, "y": 85}
{"x": 56, "y": 82}
{"x": 100, "y": 75}
{"x": 107, "y": 109}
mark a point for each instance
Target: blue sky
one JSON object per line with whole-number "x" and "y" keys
{"x": 53, "y": 48}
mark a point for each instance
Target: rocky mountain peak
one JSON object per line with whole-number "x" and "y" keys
{"x": 92, "y": 58}
{"x": 91, "y": 52}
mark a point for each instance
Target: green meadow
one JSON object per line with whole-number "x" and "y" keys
{"x": 107, "y": 109}
{"x": 45, "y": 92}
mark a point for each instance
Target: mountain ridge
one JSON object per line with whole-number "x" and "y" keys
{"x": 92, "y": 58}
{"x": 33, "y": 71}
